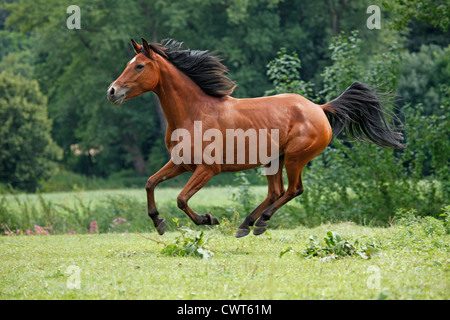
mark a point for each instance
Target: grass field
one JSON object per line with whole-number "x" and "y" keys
{"x": 412, "y": 260}
{"x": 129, "y": 266}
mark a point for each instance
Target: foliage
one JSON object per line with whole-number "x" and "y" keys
{"x": 446, "y": 217}
{"x": 75, "y": 211}
{"x": 435, "y": 12}
{"x": 377, "y": 70}
{"x": 335, "y": 247}
{"x": 346, "y": 67}
{"x": 428, "y": 226}
{"x": 243, "y": 193}
{"x": 284, "y": 72}
{"x": 423, "y": 76}
{"x": 188, "y": 243}
{"x": 27, "y": 148}
{"x": 229, "y": 226}
{"x": 416, "y": 233}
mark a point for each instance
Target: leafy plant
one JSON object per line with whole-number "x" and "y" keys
{"x": 187, "y": 243}
{"x": 337, "y": 247}
{"x": 409, "y": 221}
{"x": 243, "y": 193}
{"x": 228, "y": 226}
{"x": 334, "y": 247}
{"x": 284, "y": 72}
{"x": 446, "y": 217}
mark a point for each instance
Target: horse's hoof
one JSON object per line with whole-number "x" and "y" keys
{"x": 212, "y": 220}
{"x": 161, "y": 227}
{"x": 257, "y": 230}
{"x": 242, "y": 233}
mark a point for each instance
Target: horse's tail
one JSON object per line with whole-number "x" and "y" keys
{"x": 360, "y": 114}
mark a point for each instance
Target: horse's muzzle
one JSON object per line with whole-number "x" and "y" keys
{"x": 116, "y": 94}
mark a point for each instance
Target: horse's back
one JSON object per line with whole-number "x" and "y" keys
{"x": 309, "y": 131}
{"x": 282, "y": 110}
{"x": 302, "y": 124}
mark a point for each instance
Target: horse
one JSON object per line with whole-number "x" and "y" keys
{"x": 193, "y": 87}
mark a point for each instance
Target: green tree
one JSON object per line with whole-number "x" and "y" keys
{"x": 27, "y": 150}
{"x": 74, "y": 67}
{"x": 436, "y": 12}
{"x": 284, "y": 72}
{"x": 422, "y": 75}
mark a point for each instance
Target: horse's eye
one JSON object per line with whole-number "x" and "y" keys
{"x": 140, "y": 66}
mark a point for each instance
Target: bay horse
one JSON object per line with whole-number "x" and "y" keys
{"x": 192, "y": 86}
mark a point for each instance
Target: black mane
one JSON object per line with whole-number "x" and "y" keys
{"x": 204, "y": 69}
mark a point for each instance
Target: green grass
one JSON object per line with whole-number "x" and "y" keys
{"x": 413, "y": 265}
{"x": 67, "y": 211}
{"x": 207, "y": 196}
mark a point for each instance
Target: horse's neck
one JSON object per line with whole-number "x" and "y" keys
{"x": 181, "y": 99}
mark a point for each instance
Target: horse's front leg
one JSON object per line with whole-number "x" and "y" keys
{"x": 170, "y": 170}
{"x": 202, "y": 174}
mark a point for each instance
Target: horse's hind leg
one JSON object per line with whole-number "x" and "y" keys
{"x": 295, "y": 188}
{"x": 198, "y": 180}
{"x": 276, "y": 190}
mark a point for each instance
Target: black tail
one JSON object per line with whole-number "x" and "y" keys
{"x": 360, "y": 114}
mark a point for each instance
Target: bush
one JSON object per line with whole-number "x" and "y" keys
{"x": 26, "y": 147}
{"x": 335, "y": 247}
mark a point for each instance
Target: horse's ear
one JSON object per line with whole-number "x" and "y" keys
{"x": 147, "y": 48}
{"x": 137, "y": 47}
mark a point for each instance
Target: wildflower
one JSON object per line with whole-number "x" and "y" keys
{"x": 119, "y": 225}
{"x": 38, "y": 230}
{"x": 93, "y": 227}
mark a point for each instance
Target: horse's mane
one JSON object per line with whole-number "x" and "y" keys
{"x": 205, "y": 69}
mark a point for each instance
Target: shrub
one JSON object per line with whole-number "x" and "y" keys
{"x": 27, "y": 150}
{"x": 335, "y": 247}
{"x": 187, "y": 243}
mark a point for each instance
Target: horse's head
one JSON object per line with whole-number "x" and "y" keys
{"x": 140, "y": 75}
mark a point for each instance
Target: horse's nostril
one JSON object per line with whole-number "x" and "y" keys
{"x": 111, "y": 91}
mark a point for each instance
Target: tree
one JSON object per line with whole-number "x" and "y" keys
{"x": 436, "y": 12}
{"x": 26, "y": 147}
{"x": 74, "y": 67}
{"x": 422, "y": 75}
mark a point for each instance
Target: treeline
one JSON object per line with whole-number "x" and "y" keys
{"x": 54, "y": 115}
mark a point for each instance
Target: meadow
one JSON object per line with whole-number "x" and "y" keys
{"x": 128, "y": 260}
